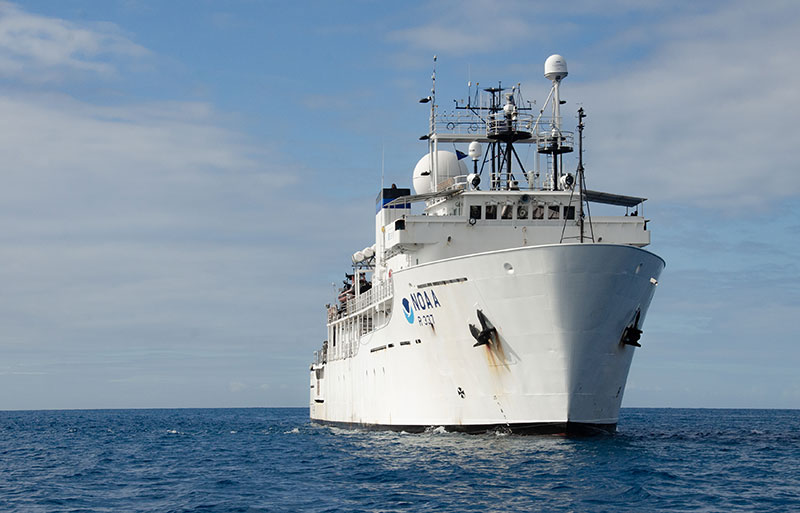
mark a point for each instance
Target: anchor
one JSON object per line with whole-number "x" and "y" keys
{"x": 486, "y": 334}
{"x": 631, "y": 334}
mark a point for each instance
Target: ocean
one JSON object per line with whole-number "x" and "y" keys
{"x": 274, "y": 459}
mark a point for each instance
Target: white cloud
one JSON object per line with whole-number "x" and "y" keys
{"x": 57, "y": 133}
{"x": 519, "y": 27}
{"x": 237, "y": 386}
{"x": 708, "y": 117}
{"x": 475, "y": 27}
{"x": 473, "y": 34}
{"x": 141, "y": 222}
{"x": 77, "y": 171}
{"x": 39, "y": 48}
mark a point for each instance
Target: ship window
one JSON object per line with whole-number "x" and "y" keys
{"x": 569, "y": 212}
{"x": 400, "y": 224}
{"x": 475, "y": 211}
{"x": 491, "y": 211}
{"x": 552, "y": 212}
{"x": 538, "y": 212}
{"x": 522, "y": 212}
{"x": 507, "y": 212}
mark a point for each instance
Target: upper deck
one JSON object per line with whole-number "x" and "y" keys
{"x": 478, "y": 221}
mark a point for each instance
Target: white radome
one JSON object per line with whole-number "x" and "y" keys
{"x": 448, "y": 167}
{"x": 555, "y": 67}
{"x": 475, "y": 150}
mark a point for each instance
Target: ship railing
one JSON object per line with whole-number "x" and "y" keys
{"x": 548, "y": 140}
{"x": 493, "y": 124}
{"x": 321, "y": 356}
{"x": 497, "y": 181}
{"x": 464, "y": 124}
{"x": 454, "y": 183}
{"x": 375, "y": 295}
{"x": 503, "y": 180}
{"x": 498, "y": 123}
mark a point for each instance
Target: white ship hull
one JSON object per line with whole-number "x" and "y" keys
{"x": 557, "y": 363}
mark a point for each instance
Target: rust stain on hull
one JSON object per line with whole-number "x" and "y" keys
{"x": 495, "y": 354}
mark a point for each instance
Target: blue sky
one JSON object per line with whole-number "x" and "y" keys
{"x": 182, "y": 181}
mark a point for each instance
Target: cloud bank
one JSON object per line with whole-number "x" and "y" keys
{"x": 38, "y": 48}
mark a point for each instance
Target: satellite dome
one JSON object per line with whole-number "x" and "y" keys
{"x": 555, "y": 67}
{"x": 475, "y": 150}
{"x": 449, "y": 166}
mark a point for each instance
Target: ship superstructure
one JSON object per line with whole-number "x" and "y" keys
{"x": 502, "y": 304}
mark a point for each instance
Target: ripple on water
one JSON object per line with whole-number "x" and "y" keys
{"x": 274, "y": 459}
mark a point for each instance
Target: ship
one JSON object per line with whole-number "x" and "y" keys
{"x": 492, "y": 298}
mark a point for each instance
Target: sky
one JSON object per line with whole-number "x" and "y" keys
{"x": 182, "y": 181}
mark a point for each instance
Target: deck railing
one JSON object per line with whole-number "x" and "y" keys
{"x": 373, "y": 296}
{"x": 491, "y": 125}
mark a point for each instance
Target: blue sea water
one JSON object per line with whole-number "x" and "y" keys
{"x": 274, "y": 459}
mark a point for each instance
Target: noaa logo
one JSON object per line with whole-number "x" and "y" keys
{"x": 408, "y": 311}
{"x": 423, "y": 301}
{"x": 420, "y": 302}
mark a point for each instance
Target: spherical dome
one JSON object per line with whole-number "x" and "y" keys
{"x": 475, "y": 150}
{"x": 448, "y": 167}
{"x": 555, "y": 67}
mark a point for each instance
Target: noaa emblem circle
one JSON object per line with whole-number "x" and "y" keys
{"x": 408, "y": 311}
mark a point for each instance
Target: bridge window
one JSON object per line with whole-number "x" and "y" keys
{"x": 507, "y": 212}
{"x": 569, "y": 212}
{"x": 475, "y": 211}
{"x": 522, "y": 212}
{"x": 553, "y": 211}
{"x": 491, "y": 211}
{"x": 538, "y": 212}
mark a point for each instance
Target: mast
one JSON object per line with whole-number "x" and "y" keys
{"x": 433, "y": 145}
{"x": 581, "y": 185}
{"x": 554, "y": 143}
